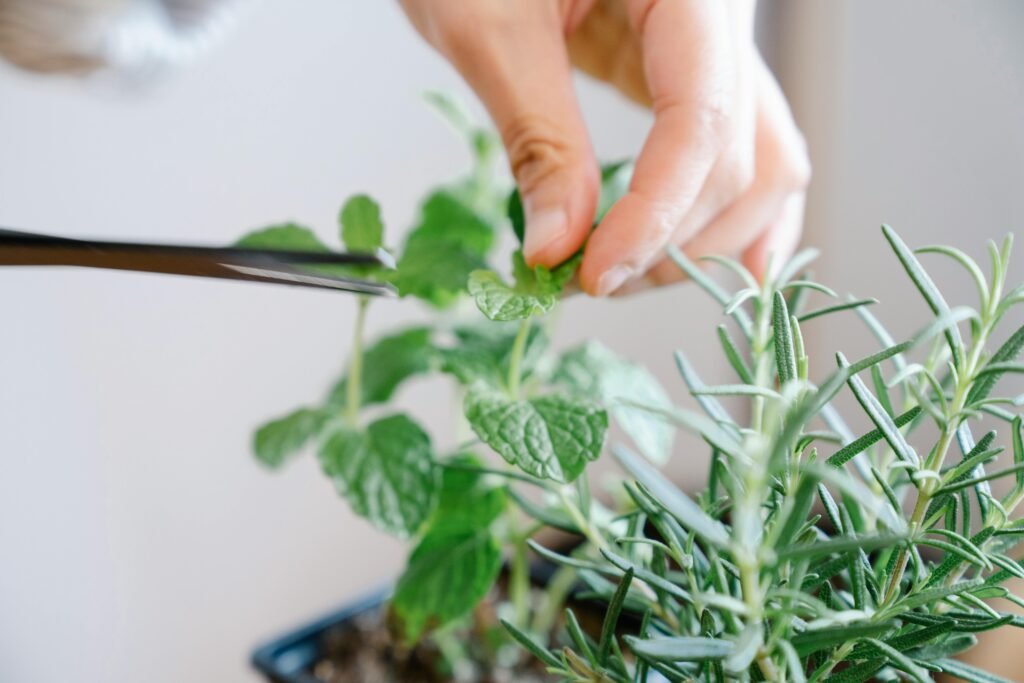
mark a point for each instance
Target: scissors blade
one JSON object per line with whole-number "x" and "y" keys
{"x": 231, "y": 263}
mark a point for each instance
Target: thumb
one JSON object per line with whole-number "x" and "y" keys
{"x": 514, "y": 56}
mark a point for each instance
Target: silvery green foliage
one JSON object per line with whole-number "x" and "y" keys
{"x": 814, "y": 553}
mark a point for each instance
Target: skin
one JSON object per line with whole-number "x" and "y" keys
{"x": 724, "y": 168}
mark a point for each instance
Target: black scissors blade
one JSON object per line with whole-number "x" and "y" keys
{"x": 231, "y": 263}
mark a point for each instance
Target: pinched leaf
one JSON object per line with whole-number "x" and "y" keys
{"x": 279, "y": 439}
{"x": 287, "y": 236}
{"x": 446, "y": 576}
{"x": 534, "y": 292}
{"x": 593, "y": 370}
{"x": 550, "y": 437}
{"x": 387, "y": 363}
{"x": 386, "y": 472}
{"x": 361, "y": 225}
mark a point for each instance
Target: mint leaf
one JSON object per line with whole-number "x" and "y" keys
{"x": 361, "y": 225}
{"x": 615, "y": 178}
{"x": 279, "y": 439}
{"x": 387, "y": 363}
{"x": 551, "y": 437}
{"x": 450, "y": 242}
{"x": 459, "y": 558}
{"x": 594, "y": 371}
{"x": 482, "y": 353}
{"x": 387, "y": 473}
{"x": 288, "y": 236}
{"x": 535, "y": 291}
{"x": 446, "y": 576}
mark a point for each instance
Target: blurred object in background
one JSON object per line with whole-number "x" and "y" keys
{"x": 140, "y": 540}
{"x": 130, "y": 37}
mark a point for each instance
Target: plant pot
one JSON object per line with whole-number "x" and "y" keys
{"x": 289, "y": 657}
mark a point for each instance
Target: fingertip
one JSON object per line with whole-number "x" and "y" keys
{"x": 555, "y": 230}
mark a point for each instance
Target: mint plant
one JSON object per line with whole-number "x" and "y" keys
{"x": 545, "y": 416}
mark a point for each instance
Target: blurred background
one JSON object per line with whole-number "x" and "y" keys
{"x": 138, "y": 538}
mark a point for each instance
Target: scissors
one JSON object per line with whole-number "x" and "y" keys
{"x": 283, "y": 267}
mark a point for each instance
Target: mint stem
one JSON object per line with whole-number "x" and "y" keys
{"x": 516, "y": 359}
{"x": 353, "y": 393}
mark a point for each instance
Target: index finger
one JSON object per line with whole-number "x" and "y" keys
{"x": 687, "y": 52}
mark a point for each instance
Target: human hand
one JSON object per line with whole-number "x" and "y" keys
{"x": 723, "y": 170}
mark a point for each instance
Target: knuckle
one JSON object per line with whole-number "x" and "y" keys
{"x": 536, "y": 150}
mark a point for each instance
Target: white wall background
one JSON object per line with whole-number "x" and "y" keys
{"x": 138, "y": 541}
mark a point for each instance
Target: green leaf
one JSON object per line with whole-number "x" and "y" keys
{"x": 965, "y": 483}
{"x": 1018, "y": 447}
{"x": 828, "y": 310}
{"x": 387, "y": 473}
{"x": 882, "y": 420}
{"x": 550, "y": 437}
{"x": 288, "y": 236}
{"x": 680, "y": 649}
{"x": 927, "y": 288}
{"x": 361, "y": 225}
{"x": 677, "y": 503}
{"x": 279, "y": 439}
{"x": 809, "y": 642}
{"x": 858, "y": 673}
{"x": 535, "y": 291}
{"x": 841, "y": 544}
{"x": 592, "y": 370}
{"x": 864, "y": 442}
{"x": 389, "y": 362}
{"x": 785, "y": 358}
{"x": 615, "y": 178}
{"x": 966, "y": 672}
{"x": 449, "y": 243}
{"x": 733, "y": 355}
{"x": 466, "y": 501}
{"x": 445, "y": 578}
{"x": 611, "y": 617}
{"x": 532, "y": 646}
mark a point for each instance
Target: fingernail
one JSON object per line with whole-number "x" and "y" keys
{"x": 543, "y": 227}
{"x": 613, "y": 279}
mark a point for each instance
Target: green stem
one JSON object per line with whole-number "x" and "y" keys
{"x": 519, "y": 582}
{"x": 516, "y": 358}
{"x": 354, "y": 386}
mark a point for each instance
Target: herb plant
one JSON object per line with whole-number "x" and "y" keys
{"x": 813, "y": 554}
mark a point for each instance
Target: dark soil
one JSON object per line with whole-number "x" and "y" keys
{"x": 364, "y": 651}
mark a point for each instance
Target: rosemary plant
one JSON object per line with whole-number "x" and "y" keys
{"x": 813, "y": 554}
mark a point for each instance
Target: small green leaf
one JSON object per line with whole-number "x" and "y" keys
{"x": 927, "y": 288}
{"x": 361, "y": 226}
{"x": 1017, "y": 436}
{"x": 550, "y": 437}
{"x": 387, "y": 473}
{"x": 533, "y": 646}
{"x": 841, "y": 544}
{"x": 785, "y": 358}
{"x": 611, "y": 617}
{"x": 864, "y": 442}
{"x": 535, "y": 292}
{"x": 592, "y": 370}
{"x": 677, "y": 503}
{"x": 279, "y": 439}
{"x": 288, "y": 236}
{"x": 389, "y": 362}
{"x": 882, "y": 420}
{"x": 828, "y": 310}
{"x": 736, "y": 360}
{"x": 680, "y": 649}
{"x": 445, "y": 578}
{"x": 809, "y": 642}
